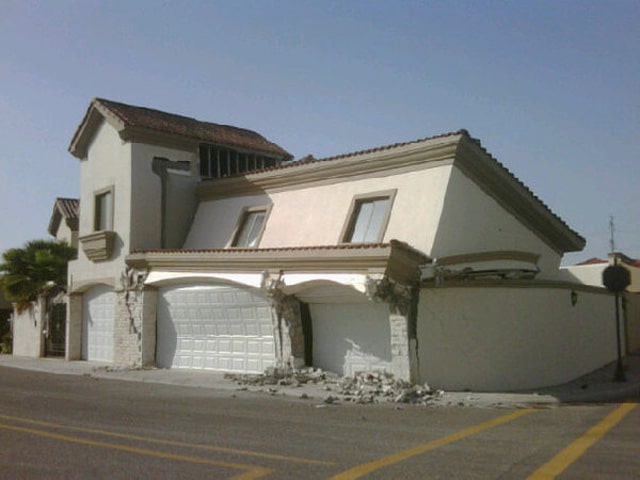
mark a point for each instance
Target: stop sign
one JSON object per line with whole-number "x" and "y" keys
{"x": 616, "y": 278}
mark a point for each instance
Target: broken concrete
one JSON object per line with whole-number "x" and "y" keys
{"x": 362, "y": 388}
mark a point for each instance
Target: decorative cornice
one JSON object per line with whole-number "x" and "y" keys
{"x": 399, "y": 261}
{"x": 489, "y": 256}
{"x": 514, "y": 283}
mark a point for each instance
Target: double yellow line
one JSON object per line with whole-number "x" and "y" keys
{"x": 251, "y": 472}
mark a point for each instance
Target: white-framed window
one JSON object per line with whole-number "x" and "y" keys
{"x": 368, "y": 217}
{"x": 250, "y": 227}
{"x": 103, "y": 210}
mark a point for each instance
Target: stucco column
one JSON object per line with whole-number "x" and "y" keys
{"x": 401, "y": 300}
{"x": 133, "y": 316}
{"x": 73, "y": 342}
{"x": 287, "y": 324}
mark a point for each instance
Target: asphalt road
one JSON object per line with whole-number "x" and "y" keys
{"x": 71, "y": 427}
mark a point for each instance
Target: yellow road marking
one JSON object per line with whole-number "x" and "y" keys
{"x": 365, "y": 468}
{"x": 574, "y": 450}
{"x": 251, "y": 471}
{"x": 169, "y": 442}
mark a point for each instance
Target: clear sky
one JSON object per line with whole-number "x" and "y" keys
{"x": 551, "y": 88}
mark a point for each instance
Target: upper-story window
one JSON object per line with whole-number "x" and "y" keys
{"x": 368, "y": 218}
{"x": 103, "y": 210}
{"x": 220, "y": 162}
{"x": 250, "y": 227}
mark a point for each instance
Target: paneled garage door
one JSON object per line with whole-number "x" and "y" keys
{"x": 215, "y": 328}
{"x": 97, "y": 324}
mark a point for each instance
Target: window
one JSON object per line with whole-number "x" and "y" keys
{"x": 368, "y": 218}
{"x": 103, "y": 219}
{"x": 250, "y": 227}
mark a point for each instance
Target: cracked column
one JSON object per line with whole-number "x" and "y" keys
{"x": 287, "y": 325}
{"x": 401, "y": 300}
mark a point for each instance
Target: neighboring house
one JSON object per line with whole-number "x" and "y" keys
{"x": 63, "y": 225}
{"x": 40, "y": 330}
{"x": 590, "y": 272}
{"x": 203, "y": 246}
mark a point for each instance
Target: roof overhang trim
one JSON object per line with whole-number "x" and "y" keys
{"x": 395, "y": 260}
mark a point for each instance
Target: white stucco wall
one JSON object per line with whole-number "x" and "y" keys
{"x": 127, "y": 167}
{"x": 472, "y": 221}
{"x": 65, "y": 234}
{"x": 146, "y": 200}
{"x": 107, "y": 164}
{"x": 316, "y": 215}
{"x": 28, "y": 340}
{"x": 436, "y": 210}
{"x": 350, "y": 338}
{"x": 512, "y": 338}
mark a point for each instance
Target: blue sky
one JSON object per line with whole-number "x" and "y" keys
{"x": 551, "y": 88}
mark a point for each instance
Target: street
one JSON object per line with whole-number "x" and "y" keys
{"x": 65, "y": 427}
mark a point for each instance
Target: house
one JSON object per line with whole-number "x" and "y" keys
{"x": 205, "y": 246}
{"x": 590, "y": 272}
{"x": 40, "y": 330}
{"x": 63, "y": 225}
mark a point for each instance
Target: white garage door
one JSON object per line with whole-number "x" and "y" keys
{"x": 350, "y": 338}
{"x": 215, "y": 328}
{"x": 97, "y": 324}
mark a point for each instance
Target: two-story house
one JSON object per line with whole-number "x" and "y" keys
{"x": 204, "y": 246}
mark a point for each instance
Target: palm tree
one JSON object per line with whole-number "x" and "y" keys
{"x": 28, "y": 271}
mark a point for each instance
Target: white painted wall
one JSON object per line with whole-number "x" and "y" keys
{"x": 65, "y": 234}
{"x": 137, "y": 201}
{"x": 146, "y": 200}
{"x": 28, "y": 340}
{"x": 316, "y": 215}
{"x": 473, "y": 222}
{"x": 107, "y": 164}
{"x": 437, "y": 210}
{"x": 349, "y": 338}
{"x": 492, "y": 339}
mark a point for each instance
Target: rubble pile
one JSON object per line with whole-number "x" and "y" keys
{"x": 362, "y": 388}
{"x": 380, "y": 386}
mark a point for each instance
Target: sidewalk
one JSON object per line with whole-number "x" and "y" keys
{"x": 595, "y": 387}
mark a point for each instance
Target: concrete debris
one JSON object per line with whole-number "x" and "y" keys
{"x": 362, "y": 388}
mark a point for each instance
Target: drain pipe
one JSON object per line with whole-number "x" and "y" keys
{"x": 160, "y": 167}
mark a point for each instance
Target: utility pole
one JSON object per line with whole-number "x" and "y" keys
{"x": 612, "y": 242}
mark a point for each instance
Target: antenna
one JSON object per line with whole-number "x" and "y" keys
{"x": 612, "y": 242}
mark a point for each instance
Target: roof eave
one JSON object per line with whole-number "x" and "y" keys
{"x": 395, "y": 260}
{"x": 513, "y": 195}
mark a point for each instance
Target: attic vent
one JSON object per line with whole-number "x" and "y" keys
{"x": 219, "y": 162}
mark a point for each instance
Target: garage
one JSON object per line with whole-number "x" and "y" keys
{"x": 214, "y": 327}
{"x": 98, "y": 309}
{"x": 351, "y": 337}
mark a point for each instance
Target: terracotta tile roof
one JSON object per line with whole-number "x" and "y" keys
{"x": 207, "y": 132}
{"x": 69, "y": 207}
{"x": 346, "y": 246}
{"x": 593, "y": 261}
{"x": 311, "y": 159}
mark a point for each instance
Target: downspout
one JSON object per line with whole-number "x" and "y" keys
{"x": 160, "y": 166}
